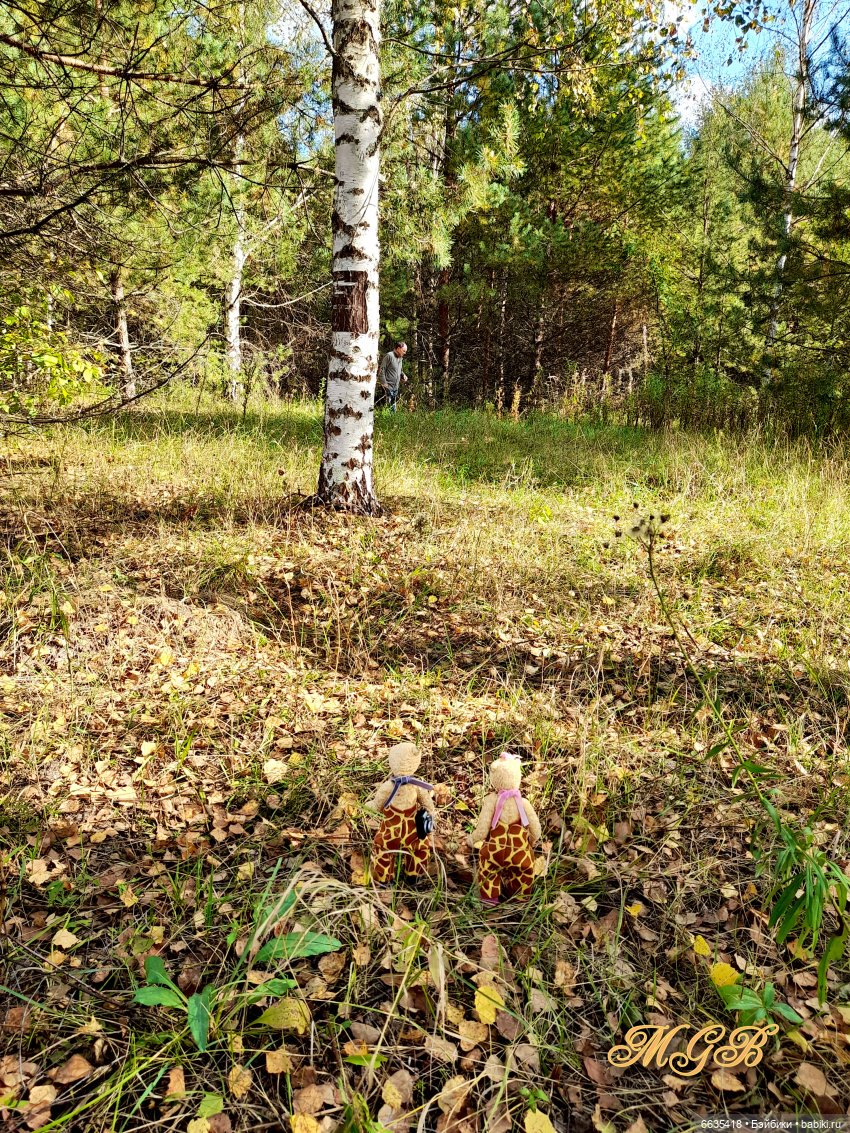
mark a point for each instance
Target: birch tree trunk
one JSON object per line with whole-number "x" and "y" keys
{"x": 345, "y": 476}
{"x": 122, "y": 334}
{"x": 233, "y": 296}
{"x": 801, "y": 90}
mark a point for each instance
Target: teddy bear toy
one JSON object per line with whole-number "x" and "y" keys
{"x": 408, "y": 811}
{"x": 507, "y": 829}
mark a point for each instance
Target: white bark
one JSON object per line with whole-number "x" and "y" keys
{"x": 233, "y": 298}
{"x": 122, "y": 333}
{"x": 801, "y": 90}
{"x": 345, "y": 477}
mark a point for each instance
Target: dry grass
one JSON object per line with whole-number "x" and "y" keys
{"x": 200, "y": 681}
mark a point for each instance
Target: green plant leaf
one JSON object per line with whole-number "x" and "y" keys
{"x": 834, "y": 951}
{"x": 295, "y": 946}
{"x": 786, "y": 1012}
{"x": 156, "y": 973}
{"x": 211, "y": 1104}
{"x": 158, "y": 997}
{"x": 277, "y": 986}
{"x": 199, "y": 1017}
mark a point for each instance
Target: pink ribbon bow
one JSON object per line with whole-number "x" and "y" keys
{"x": 500, "y": 802}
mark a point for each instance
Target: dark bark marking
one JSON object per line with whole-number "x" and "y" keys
{"x": 349, "y": 302}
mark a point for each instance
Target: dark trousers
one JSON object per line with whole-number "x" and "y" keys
{"x": 388, "y": 397}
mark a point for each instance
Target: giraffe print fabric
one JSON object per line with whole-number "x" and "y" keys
{"x": 397, "y": 840}
{"x": 505, "y": 863}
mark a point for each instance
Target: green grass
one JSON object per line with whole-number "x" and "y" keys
{"x": 171, "y": 623}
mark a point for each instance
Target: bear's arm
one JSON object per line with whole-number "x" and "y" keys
{"x": 533, "y": 822}
{"x": 379, "y": 799}
{"x": 426, "y": 800}
{"x": 484, "y": 819}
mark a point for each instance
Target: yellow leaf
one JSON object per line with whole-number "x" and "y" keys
{"x": 287, "y": 1015}
{"x": 391, "y": 1095}
{"x": 723, "y": 975}
{"x": 799, "y": 1040}
{"x": 149, "y": 747}
{"x": 537, "y": 1122}
{"x": 239, "y": 1080}
{"x": 701, "y": 947}
{"x": 165, "y": 657}
{"x": 245, "y": 871}
{"x": 304, "y": 1123}
{"x": 64, "y": 939}
{"x": 278, "y": 1061}
{"x": 487, "y": 1004}
{"x": 128, "y": 897}
{"x": 198, "y": 1125}
{"x": 471, "y": 1033}
{"x": 636, "y": 910}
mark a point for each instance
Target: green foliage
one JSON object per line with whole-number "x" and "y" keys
{"x": 754, "y": 1006}
{"x": 39, "y": 366}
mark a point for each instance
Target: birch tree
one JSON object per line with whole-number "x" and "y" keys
{"x": 798, "y": 120}
{"x": 345, "y": 476}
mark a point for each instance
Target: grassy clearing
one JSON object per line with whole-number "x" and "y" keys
{"x": 199, "y": 683}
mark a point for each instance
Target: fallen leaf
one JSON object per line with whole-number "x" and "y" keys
{"x": 398, "y": 1089}
{"x": 176, "y": 1083}
{"x": 812, "y": 1079}
{"x": 287, "y": 1015}
{"x": 304, "y": 1123}
{"x": 487, "y": 1003}
{"x": 64, "y": 939}
{"x": 275, "y": 770}
{"x": 638, "y": 1126}
{"x": 239, "y": 1080}
{"x": 508, "y": 1025}
{"x": 440, "y": 1048}
{"x": 491, "y": 952}
{"x": 529, "y": 1055}
{"x": 310, "y": 1099}
{"x": 701, "y": 947}
{"x": 453, "y": 1094}
{"x": 42, "y": 1095}
{"x": 73, "y": 1070}
{"x": 472, "y": 1033}
{"x": 535, "y": 1121}
{"x": 365, "y": 1032}
{"x": 278, "y": 1061}
{"x": 37, "y": 871}
{"x": 723, "y": 975}
{"x": 723, "y": 1080}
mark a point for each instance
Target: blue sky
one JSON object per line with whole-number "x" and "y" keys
{"x": 714, "y": 47}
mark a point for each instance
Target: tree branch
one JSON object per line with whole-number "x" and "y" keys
{"x": 118, "y": 72}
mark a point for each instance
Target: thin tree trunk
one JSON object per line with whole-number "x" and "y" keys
{"x": 122, "y": 334}
{"x": 233, "y": 301}
{"x": 609, "y": 348}
{"x": 797, "y": 126}
{"x": 500, "y": 388}
{"x": 345, "y": 476}
{"x": 444, "y": 336}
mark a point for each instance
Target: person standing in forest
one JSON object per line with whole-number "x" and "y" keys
{"x": 390, "y": 375}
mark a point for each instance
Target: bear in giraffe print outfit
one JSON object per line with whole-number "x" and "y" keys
{"x": 398, "y": 799}
{"x": 508, "y": 829}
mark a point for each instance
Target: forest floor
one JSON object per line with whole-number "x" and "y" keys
{"x": 199, "y": 682}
